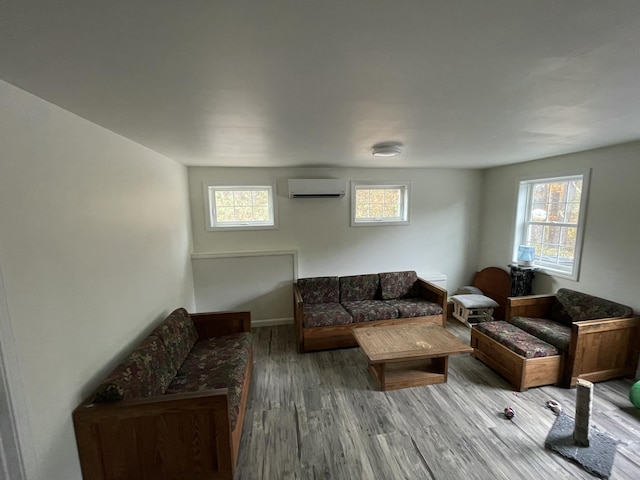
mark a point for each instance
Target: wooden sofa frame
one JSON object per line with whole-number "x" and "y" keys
{"x": 339, "y": 336}
{"x": 184, "y": 436}
{"x": 599, "y": 349}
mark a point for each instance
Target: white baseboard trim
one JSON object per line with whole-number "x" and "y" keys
{"x": 271, "y": 322}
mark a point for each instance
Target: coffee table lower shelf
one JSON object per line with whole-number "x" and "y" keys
{"x": 415, "y": 373}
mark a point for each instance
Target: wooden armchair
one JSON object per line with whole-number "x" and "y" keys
{"x": 599, "y": 348}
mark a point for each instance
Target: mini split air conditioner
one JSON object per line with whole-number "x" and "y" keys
{"x": 316, "y": 188}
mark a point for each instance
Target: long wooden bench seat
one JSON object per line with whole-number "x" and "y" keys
{"x": 521, "y": 358}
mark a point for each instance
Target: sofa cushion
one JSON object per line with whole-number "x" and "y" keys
{"x": 178, "y": 334}
{"x": 324, "y": 314}
{"x": 559, "y": 314}
{"x": 218, "y": 362}
{"x": 516, "y": 340}
{"x": 550, "y": 331}
{"x": 368, "y": 310}
{"x": 147, "y": 371}
{"x": 415, "y": 307}
{"x": 359, "y": 287}
{"x": 398, "y": 285}
{"x": 474, "y": 301}
{"x": 581, "y": 306}
{"x": 319, "y": 289}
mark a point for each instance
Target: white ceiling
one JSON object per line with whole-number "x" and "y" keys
{"x": 461, "y": 83}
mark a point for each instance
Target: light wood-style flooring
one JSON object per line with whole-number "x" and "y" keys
{"x": 320, "y": 416}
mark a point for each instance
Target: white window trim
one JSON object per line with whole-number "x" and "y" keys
{"x": 382, "y": 184}
{"x": 521, "y": 209}
{"x": 210, "y": 224}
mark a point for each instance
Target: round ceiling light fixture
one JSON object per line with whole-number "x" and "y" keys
{"x": 387, "y": 149}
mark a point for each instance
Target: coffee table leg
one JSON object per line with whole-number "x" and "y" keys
{"x": 377, "y": 371}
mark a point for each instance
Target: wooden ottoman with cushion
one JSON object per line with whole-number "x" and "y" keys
{"x": 524, "y": 360}
{"x": 473, "y": 308}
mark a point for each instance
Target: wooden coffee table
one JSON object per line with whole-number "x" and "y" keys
{"x": 402, "y": 356}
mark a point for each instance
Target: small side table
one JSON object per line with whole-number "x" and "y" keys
{"x": 521, "y": 280}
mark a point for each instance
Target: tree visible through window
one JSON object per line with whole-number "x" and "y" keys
{"x": 381, "y": 203}
{"x": 240, "y": 207}
{"x": 551, "y": 213}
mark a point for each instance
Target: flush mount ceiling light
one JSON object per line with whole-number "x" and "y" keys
{"x": 387, "y": 149}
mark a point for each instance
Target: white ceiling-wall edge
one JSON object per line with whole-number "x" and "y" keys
{"x": 562, "y": 156}
{"x": 402, "y": 165}
{"x": 85, "y": 119}
{"x": 368, "y": 162}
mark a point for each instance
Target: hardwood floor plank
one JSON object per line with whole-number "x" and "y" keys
{"x": 321, "y": 416}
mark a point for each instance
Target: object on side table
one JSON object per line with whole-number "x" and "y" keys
{"x": 521, "y": 280}
{"x": 526, "y": 255}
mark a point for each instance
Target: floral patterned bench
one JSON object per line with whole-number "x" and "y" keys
{"x": 326, "y": 309}
{"x": 525, "y": 360}
{"x": 596, "y": 338}
{"x": 175, "y": 406}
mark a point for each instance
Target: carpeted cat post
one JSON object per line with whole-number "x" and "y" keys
{"x": 578, "y": 441}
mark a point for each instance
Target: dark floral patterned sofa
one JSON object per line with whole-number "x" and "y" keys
{"x": 326, "y": 309}
{"x": 559, "y": 338}
{"x": 174, "y": 407}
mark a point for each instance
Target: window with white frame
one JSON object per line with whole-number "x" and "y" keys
{"x": 379, "y": 203}
{"x": 550, "y": 218}
{"x": 239, "y": 207}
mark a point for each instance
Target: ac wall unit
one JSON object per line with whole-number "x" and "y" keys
{"x": 316, "y": 188}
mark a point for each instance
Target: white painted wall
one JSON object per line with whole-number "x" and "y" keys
{"x": 94, "y": 250}
{"x": 610, "y": 260}
{"x": 441, "y": 237}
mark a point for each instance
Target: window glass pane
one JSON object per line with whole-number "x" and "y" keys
{"x": 575, "y": 191}
{"x": 224, "y": 198}
{"x": 242, "y": 198}
{"x": 391, "y": 210}
{"x": 392, "y": 196}
{"x": 376, "y": 196}
{"x": 260, "y": 197}
{"x": 535, "y": 234}
{"x": 538, "y": 212}
{"x": 225, "y": 214}
{"x": 375, "y": 210}
{"x": 540, "y": 193}
{"x": 573, "y": 213}
{"x": 362, "y": 196}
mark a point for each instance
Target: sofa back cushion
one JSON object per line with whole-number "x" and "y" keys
{"x": 319, "y": 289}
{"x": 398, "y": 285}
{"x": 581, "y": 306}
{"x": 359, "y": 287}
{"x": 147, "y": 371}
{"x": 179, "y": 335}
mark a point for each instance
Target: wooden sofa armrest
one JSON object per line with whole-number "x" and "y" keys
{"x": 433, "y": 293}
{"x": 602, "y": 349}
{"x": 536, "y": 306}
{"x": 217, "y": 324}
{"x": 117, "y": 435}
